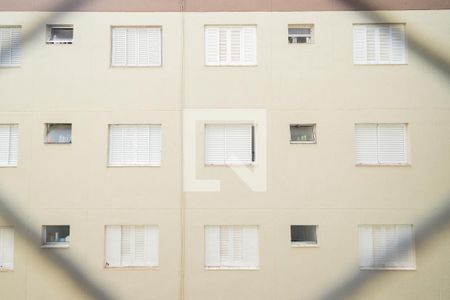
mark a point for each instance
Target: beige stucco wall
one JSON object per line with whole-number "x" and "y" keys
{"x": 306, "y": 184}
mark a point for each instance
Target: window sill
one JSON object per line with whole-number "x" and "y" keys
{"x": 137, "y": 268}
{"x": 136, "y": 67}
{"x": 57, "y": 143}
{"x": 213, "y": 66}
{"x": 384, "y": 64}
{"x": 232, "y": 268}
{"x": 383, "y": 165}
{"x": 303, "y": 142}
{"x": 8, "y": 166}
{"x": 10, "y": 66}
{"x": 6, "y": 270}
{"x": 304, "y": 245}
{"x": 59, "y": 246}
{"x": 133, "y": 166}
{"x": 231, "y": 165}
{"x": 387, "y": 269}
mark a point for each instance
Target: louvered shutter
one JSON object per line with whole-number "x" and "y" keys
{"x": 10, "y": 46}
{"x": 211, "y": 46}
{"x": 6, "y": 248}
{"x": 238, "y": 144}
{"x": 249, "y": 45}
{"x": 398, "y": 44}
{"x": 226, "y": 246}
{"x": 135, "y": 145}
{"x": 250, "y": 246}
{"x": 151, "y": 250}
{"x": 235, "y": 52}
{"x": 359, "y": 44}
{"x": 392, "y": 146}
{"x": 215, "y": 144}
{"x": 113, "y": 246}
{"x": 139, "y": 255}
{"x": 127, "y": 246}
{"x": 365, "y": 246}
{"x": 155, "y": 48}
{"x": 119, "y": 47}
{"x": 405, "y": 246}
{"x": 212, "y": 246}
{"x": 8, "y": 144}
{"x": 366, "y": 143}
{"x": 384, "y": 44}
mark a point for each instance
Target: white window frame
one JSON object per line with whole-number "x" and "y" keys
{"x": 6, "y": 236}
{"x": 242, "y": 44}
{"x": 15, "y": 60}
{"x": 47, "y": 131}
{"x": 392, "y": 265}
{"x": 13, "y": 144}
{"x": 115, "y": 64}
{"x": 310, "y": 35}
{"x": 220, "y": 264}
{"x": 54, "y": 244}
{"x": 116, "y": 231}
{"x": 380, "y": 162}
{"x": 136, "y": 164}
{"x": 225, "y": 163}
{"x": 50, "y": 28}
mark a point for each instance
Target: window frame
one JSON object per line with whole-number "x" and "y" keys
{"x": 50, "y": 28}
{"x": 310, "y": 26}
{"x": 314, "y": 131}
{"x": 49, "y": 244}
{"x": 47, "y": 131}
{"x": 305, "y": 244}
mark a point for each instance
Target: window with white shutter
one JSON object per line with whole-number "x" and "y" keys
{"x": 135, "y": 145}
{"x": 136, "y": 46}
{"x": 131, "y": 246}
{"x": 386, "y": 247}
{"x": 378, "y": 144}
{"x": 231, "y": 247}
{"x": 6, "y": 248}
{"x": 230, "y": 45}
{"x": 379, "y": 44}
{"x": 8, "y": 144}
{"x": 230, "y": 144}
{"x": 10, "y": 46}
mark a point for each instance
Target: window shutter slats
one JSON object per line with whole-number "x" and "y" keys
{"x": 5, "y": 46}
{"x": 250, "y": 246}
{"x": 15, "y": 46}
{"x": 215, "y": 144}
{"x": 212, "y": 246}
{"x": 127, "y": 246}
{"x": 136, "y": 46}
{"x": 7, "y": 248}
{"x": 359, "y": 44}
{"x": 138, "y": 257}
{"x": 230, "y": 45}
{"x": 366, "y": 144}
{"x": 365, "y": 246}
{"x": 8, "y": 144}
{"x": 398, "y": 44}
{"x": 151, "y": 254}
{"x": 135, "y": 145}
{"x": 392, "y": 148}
{"x": 113, "y": 245}
{"x": 405, "y": 237}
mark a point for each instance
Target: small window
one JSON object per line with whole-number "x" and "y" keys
{"x": 303, "y": 133}
{"x": 54, "y": 236}
{"x": 59, "y": 34}
{"x": 304, "y": 235}
{"x": 58, "y": 134}
{"x": 300, "y": 34}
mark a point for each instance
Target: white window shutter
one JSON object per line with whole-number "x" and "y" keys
{"x": 226, "y": 246}
{"x": 7, "y": 248}
{"x": 139, "y": 255}
{"x": 384, "y": 44}
{"x": 215, "y": 144}
{"x": 250, "y": 246}
{"x": 15, "y": 46}
{"x": 359, "y": 44}
{"x": 8, "y": 144}
{"x": 365, "y": 246}
{"x": 212, "y": 246}
{"x": 132, "y": 47}
{"x": 405, "y": 244}
{"x": 119, "y": 46}
{"x": 392, "y": 146}
{"x": 155, "y": 48}
{"x": 249, "y": 45}
{"x": 113, "y": 245}
{"x": 366, "y": 143}
{"x": 127, "y": 246}
{"x": 235, "y": 52}
{"x": 238, "y": 144}
{"x": 151, "y": 251}
{"x": 211, "y": 46}
{"x": 398, "y": 44}
{"x": 155, "y": 145}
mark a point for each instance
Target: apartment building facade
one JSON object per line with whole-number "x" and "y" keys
{"x": 223, "y": 149}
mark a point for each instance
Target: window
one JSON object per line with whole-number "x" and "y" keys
{"x": 380, "y": 144}
{"x": 230, "y": 45}
{"x": 230, "y": 144}
{"x": 55, "y": 236}
{"x": 234, "y": 247}
{"x": 58, "y": 134}
{"x": 6, "y": 248}
{"x": 386, "y": 246}
{"x": 135, "y": 145}
{"x": 131, "y": 246}
{"x": 300, "y": 34}
{"x": 8, "y": 144}
{"x": 303, "y": 133}
{"x": 379, "y": 44}
{"x": 136, "y": 46}
{"x": 304, "y": 235}
{"x": 59, "y": 34}
{"x": 10, "y": 40}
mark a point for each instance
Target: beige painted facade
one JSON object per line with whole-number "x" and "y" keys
{"x": 306, "y": 184}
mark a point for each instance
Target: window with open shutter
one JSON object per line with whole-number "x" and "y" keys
{"x": 135, "y": 145}
{"x": 379, "y": 44}
{"x": 229, "y": 144}
{"x": 131, "y": 246}
{"x": 230, "y": 45}
{"x": 136, "y": 46}
{"x": 231, "y": 247}
{"x": 386, "y": 246}
{"x": 10, "y": 46}
{"x": 8, "y": 144}
{"x": 6, "y": 248}
{"x": 380, "y": 143}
